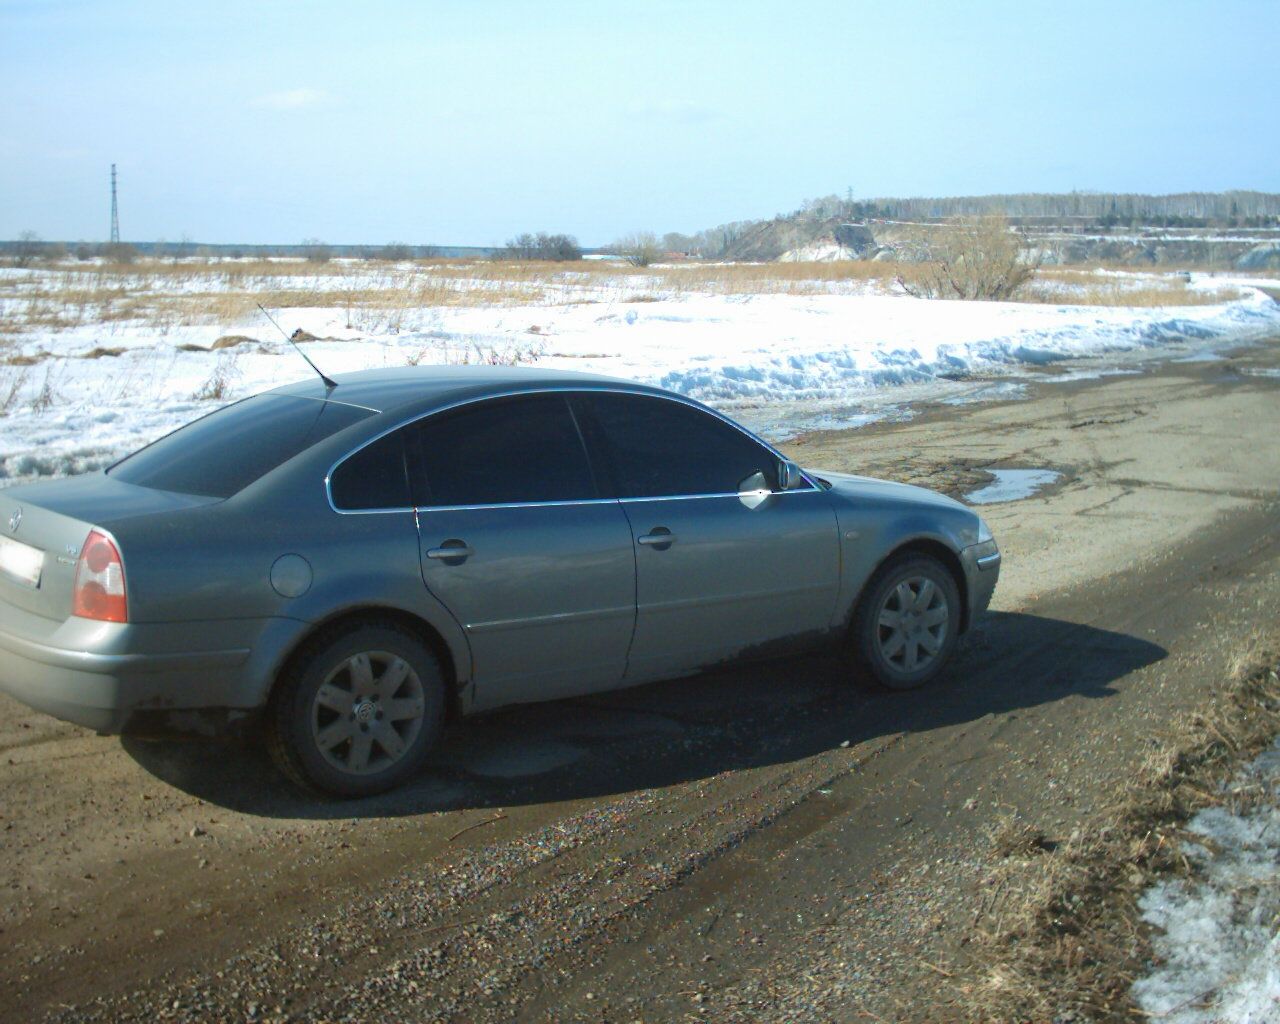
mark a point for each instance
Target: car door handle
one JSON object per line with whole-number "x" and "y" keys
{"x": 659, "y": 537}
{"x": 449, "y": 552}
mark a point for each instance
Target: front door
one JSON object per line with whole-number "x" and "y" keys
{"x": 518, "y": 544}
{"x": 727, "y": 565}
{"x": 721, "y": 577}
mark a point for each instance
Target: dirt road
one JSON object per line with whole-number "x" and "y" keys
{"x": 765, "y": 843}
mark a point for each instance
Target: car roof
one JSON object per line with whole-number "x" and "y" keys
{"x": 422, "y": 388}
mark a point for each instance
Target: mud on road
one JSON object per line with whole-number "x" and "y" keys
{"x": 762, "y": 843}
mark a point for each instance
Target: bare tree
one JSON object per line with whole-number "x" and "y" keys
{"x": 119, "y": 252}
{"x": 541, "y": 246}
{"x": 559, "y": 247}
{"x": 977, "y": 258}
{"x": 27, "y": 249}
{"x": 395, "y": 252}
{"x": 521, "y": 247}
{"x": 317, "y": 251}
{"x": 640, "y": 249}
{"x": 674, "y": 241}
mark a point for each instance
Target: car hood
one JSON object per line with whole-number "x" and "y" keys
{"x": 851, "y": 486}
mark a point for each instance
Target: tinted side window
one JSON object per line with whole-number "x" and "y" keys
{"x": 374, "y": 477}
{"x": 656, "y": 447}
{"x": 503, "y": 451}
{"x": 229, "y": 449}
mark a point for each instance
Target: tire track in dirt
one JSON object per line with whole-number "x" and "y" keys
{"x": 606, "y": 878}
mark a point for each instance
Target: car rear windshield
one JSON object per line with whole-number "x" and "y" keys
{"x": 226, "y": 451}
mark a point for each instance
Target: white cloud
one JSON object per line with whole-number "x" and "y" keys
{"x": 290, "y": 99}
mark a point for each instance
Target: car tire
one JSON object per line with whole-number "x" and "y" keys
{"x": 356, "y": 711}
{"x": 907, "y": 622}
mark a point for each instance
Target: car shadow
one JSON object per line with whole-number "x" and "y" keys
{"x": 666, "y": 733}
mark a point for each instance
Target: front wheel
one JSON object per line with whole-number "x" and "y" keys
{"x": 907, "y": 622}
{"x": 357, "y": 711}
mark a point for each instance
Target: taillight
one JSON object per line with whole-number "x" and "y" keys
{"x": 99, "y": 589}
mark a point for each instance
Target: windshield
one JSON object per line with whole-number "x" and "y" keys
{"x": 224, "y": 452}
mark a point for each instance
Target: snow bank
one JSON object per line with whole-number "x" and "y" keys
{"x": 780, "y": 348}
{"x": 1219, "y": 951}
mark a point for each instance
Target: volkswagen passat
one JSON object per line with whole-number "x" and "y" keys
{"x": 351, "y": 566}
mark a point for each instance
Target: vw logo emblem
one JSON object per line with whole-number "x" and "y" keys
{"x": 15, "y": 519}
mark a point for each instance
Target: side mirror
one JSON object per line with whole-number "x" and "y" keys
{"x": 790, "y": 476}
{"x": 754, "y": 490}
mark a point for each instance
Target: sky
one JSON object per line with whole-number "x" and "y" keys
{"x": 467, "y": 122}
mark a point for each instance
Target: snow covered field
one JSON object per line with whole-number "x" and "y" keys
{"x": 87, "y": 373}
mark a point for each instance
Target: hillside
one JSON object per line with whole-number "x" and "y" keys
{"x": 1195, "y": 228}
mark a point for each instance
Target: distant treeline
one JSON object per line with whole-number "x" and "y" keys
{"x": 184, "y": 249}
{"x": 1223, "y": 208}
{"x": 1101, "y": 209}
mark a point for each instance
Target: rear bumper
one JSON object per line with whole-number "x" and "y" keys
{"x": 116, "y": 693}
{"x": 91, "y": 674}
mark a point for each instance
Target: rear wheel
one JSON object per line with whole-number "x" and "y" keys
{"x": 907, "y": 622}
{"x": 357, "y": 711}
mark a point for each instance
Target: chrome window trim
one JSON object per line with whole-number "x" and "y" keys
{"x": 549, "y": 390}
{"x": 427, "y": 509}
{"x": 726, "y": 494}
{"x": 372, "y": 511}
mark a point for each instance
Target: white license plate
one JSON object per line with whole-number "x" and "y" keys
{"x": 21, "y": 561}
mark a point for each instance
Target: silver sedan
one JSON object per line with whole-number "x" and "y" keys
{"x": 342, "y": 569}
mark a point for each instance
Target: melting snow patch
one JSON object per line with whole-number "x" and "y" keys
{"x": 1070, "y": 375}
{"x": 1000, "y": 391}
{"x": 1219, "y": 954}
{"x": 1012, "y": 485}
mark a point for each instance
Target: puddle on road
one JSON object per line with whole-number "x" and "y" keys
{"x": 1012, "y": 485}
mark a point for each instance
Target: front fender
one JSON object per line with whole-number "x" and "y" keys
{"x": 871, "y": 533}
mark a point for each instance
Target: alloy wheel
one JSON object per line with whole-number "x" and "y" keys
{"x": 367, "y": 712}
{"x": 911, "y": 627}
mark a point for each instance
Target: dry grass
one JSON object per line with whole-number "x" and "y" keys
{"x": 378, "y": 296}
{"x": 774, "y": 278}
{"x": 1082, "y": 288}
{"x": 220, "y": 381}
{"x": 166, "y": 295}
{"x": 12, "y": 380}
{"x": 1060, "y": 935}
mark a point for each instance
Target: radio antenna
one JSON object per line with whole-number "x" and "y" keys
{"x": 329, "y": 381}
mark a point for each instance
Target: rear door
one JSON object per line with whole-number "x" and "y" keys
{"x": 518, "y": 543}
{"x": 726, "y": 564}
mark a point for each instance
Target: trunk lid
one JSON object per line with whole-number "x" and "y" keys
{"x": 43, "y": 525}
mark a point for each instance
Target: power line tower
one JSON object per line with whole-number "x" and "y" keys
{"x": 115, "y": 216}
